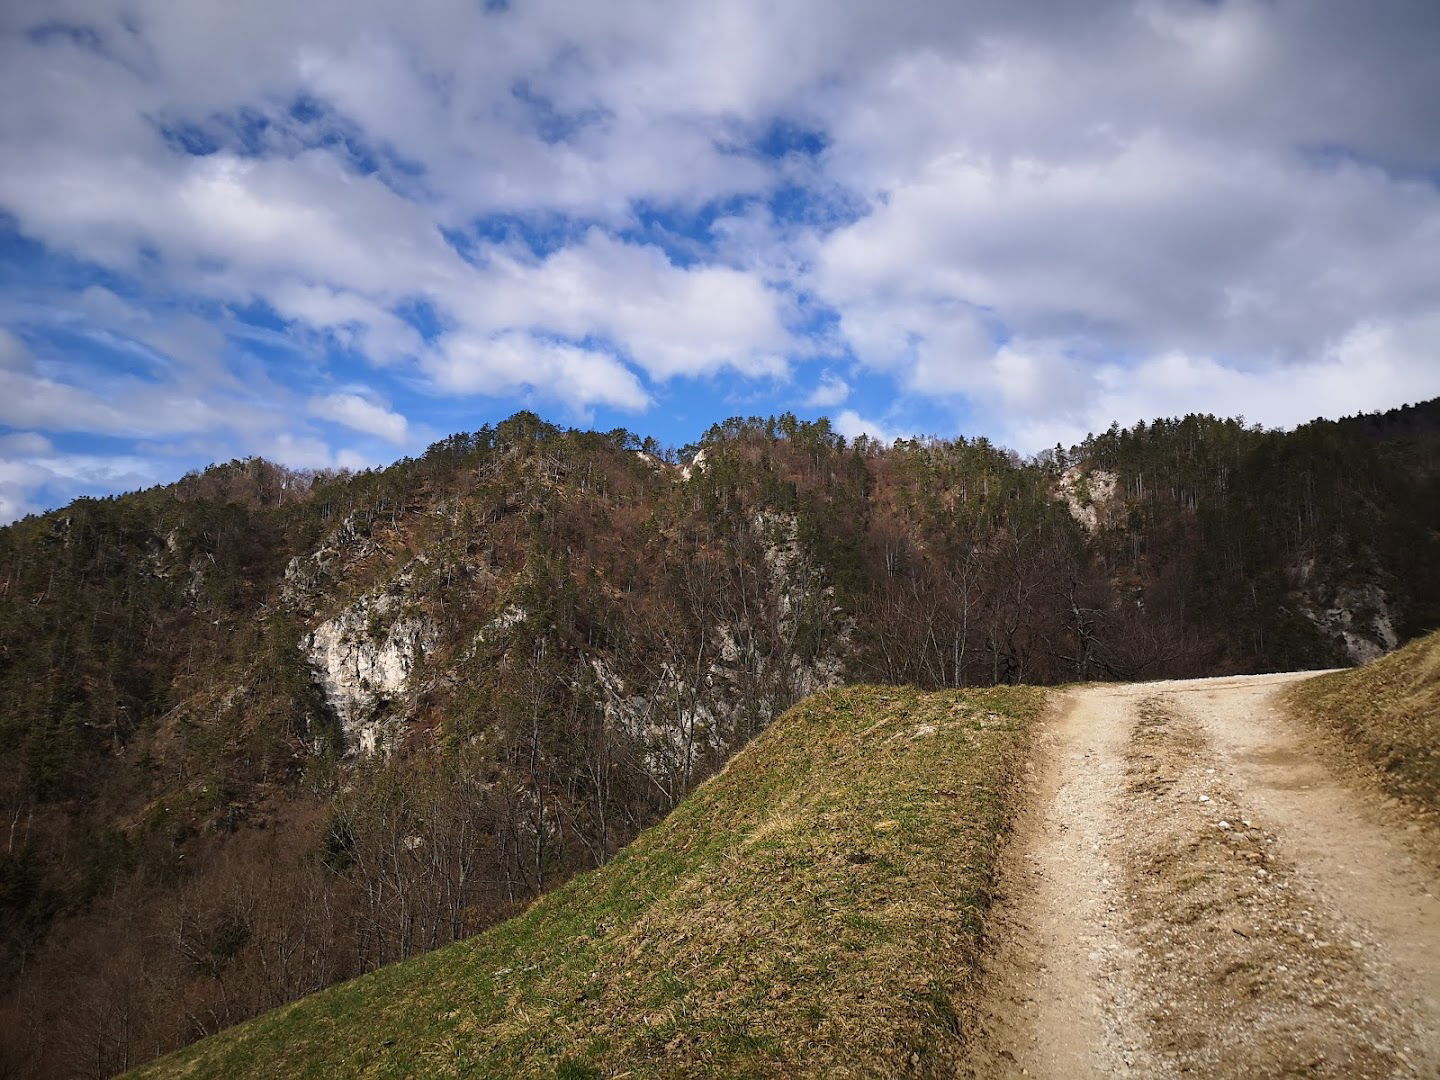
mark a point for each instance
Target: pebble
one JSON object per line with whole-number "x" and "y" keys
{"x": 1222, "y": 824}
{"x": 1204, "y": 798}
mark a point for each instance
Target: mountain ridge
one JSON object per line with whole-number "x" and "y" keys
{"x": 530, "y": 643}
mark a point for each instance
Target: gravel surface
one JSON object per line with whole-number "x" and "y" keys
{"x": 1198, "y": 888}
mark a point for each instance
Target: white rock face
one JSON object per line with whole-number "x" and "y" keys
{"x": 364, "y": 657}
{"x": 697, "y": 465}
{"x": 1088, "y": 494}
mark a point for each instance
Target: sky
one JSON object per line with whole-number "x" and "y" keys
{"x": 332, "y": 232}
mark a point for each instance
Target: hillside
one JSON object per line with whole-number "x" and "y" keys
{"x": 1390, "y": 711}
{"x": 816, "y": 907}
{"x": 273, "y": 730}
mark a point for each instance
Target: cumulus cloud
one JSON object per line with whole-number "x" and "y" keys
{"x": 516, "y": 363}
{"x": 829, "y": 392}
{"x": 73, "y": 398}
{"x": 670, "y": 320}
{"x": 24, "y": 474}
{"x": 304, "y": 451}
{"x": 1105, "y": 210}
{"x": 361, "y": 414}
{"x": 26, "y": 444}
{"x": 14, "y": 357}
{"x": 34, "y": 401}
{"x": 1371, "y": 368}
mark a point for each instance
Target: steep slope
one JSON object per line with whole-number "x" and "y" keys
{"x": 1390, "y": 711}
{"x": 815, "y": 908}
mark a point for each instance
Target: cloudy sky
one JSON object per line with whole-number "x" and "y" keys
{"x": 330, "y": 232}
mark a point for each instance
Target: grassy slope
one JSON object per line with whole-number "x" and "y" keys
{"x": 1391, "y": 710}
{"x": 816, "y": 908}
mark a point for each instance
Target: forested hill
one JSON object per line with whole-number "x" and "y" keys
{"x": 268, "y": 730}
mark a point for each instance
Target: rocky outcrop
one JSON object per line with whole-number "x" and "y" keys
{"x": 733, "y": 685}
{"x": 310, "y": 579}
{"x": 697, "y": 465}
{"x": 1088, "y": 493}
{"x": 1358, "y": 618}
{"x": 363, "y": 658}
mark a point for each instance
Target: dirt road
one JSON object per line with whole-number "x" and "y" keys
{"x": 1194, "y": 890}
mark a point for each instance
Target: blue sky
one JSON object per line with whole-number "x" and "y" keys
{"x": 330, "y": 233}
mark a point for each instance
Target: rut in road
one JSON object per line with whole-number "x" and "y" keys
{"x": 1193, "y": 890}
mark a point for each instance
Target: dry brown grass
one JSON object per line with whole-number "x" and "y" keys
{"x": 815, "y": 909}
{"x": 1389, "y": 709}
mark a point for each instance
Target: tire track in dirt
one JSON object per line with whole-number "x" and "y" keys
{"x": 1059, "y": 998}
{"x": 1191, "y": 892}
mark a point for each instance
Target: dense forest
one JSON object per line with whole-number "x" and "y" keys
{"x": 267, "y": 730}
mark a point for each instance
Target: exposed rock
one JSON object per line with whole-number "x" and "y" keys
{"x": 742, "y": 687}
{"x": 697, "y": 465}
{"x": 363, "y": 658}
{"x": 510, "y": 615}
{"x": 651, "y": 460}
{"x": 310, "y": 578}
{"x": 1088, "y": 493}
{"x": 1358, "y": 618}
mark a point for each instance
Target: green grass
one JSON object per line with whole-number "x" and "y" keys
{"x": 815, "y": 909}
{"x": 1390, "y": 710}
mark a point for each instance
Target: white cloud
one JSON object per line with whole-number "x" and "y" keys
{"x": 35, "y": 401}
{"x": 14, "y": 357}
{"x": 25, "y": 444}
{"x": 354, "y": 460}
{"x": 1151, "y": 246}
{"x": 514, "y": 363}
{"x": 829, "y": 392}
{"x": 24, "y": 473}
{"x": 1374, "y": 367}
{"x": 1103, "y": 211}
{"x": 356, "y": 321}
{"x": 670, "y": 320}
{"x": 361, "y": 414}
{"x": 18, "y": 481}
{"x": 300, "y": 451}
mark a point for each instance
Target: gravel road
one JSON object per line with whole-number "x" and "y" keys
{"x": 1200, "y": 885}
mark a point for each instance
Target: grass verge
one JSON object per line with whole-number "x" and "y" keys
{"x": 1390, "y": 709}
{"x": 815, "y": 909}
